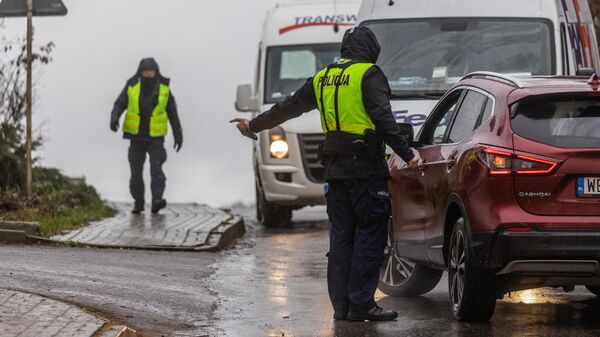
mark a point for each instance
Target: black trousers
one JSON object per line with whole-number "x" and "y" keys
{"x": 138, "y": 149}
{"x": 359, "y": 211}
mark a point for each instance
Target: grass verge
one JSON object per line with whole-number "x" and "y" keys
{"x": 58, "y": 204}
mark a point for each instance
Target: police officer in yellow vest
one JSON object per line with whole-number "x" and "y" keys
{"x": 352, "y": 96}
{"x": 150, "y": 107}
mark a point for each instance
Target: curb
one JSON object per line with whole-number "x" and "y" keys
{"x": 236, "y": 230}
{"x": 220, "y": 237}
{"x": 13, "y": 237}
{"x": 103, "y": 325}
{"x": 19, "y": 237}
{"x": 225, "y": 234}
{"x": 30, "y": 228}
{"x": 118, "y": 331}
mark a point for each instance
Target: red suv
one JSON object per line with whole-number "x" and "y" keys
{"x": 508, "y": 195}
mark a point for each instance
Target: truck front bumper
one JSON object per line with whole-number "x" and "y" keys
{"x": 288, "y": 185}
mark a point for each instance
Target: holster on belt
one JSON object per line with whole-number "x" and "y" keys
{"x": 345, "y": 145}
{"x": 374, "y": 148}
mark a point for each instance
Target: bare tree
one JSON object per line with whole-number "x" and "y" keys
{"x": 13, "y": 71}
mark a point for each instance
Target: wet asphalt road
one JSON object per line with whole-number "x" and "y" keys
{"x": 272, "y": 283}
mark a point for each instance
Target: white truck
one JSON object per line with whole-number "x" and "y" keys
{"x": 428, "y": 46}
{"x": 299, "y": 38}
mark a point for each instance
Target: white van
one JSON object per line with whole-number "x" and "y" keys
{"x": 428, "y": 46}
{"x": 300, "y": 37}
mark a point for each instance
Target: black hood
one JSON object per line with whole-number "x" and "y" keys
{"x": 149, "y": 64}
{"x": 360, "y": 44}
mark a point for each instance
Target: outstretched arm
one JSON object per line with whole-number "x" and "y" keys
{"x": 293, "y": 106}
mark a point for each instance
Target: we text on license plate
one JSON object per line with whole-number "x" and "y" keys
{"x": 588, "y": 187}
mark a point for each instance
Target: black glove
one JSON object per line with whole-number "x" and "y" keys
{"x": 114, "y": 125}
{"x": 178, "y": 144}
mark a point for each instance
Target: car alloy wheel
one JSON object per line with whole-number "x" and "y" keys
{"x": 396, "y": 271}
{"x": 456, "y": 271}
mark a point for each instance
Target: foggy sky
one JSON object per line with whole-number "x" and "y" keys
{"x": 206, "y": 47}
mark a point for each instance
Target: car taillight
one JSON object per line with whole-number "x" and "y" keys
{"x": 503, "y": 163}
{"x": 527, "y": 165}
{"x": 499, "y": 162}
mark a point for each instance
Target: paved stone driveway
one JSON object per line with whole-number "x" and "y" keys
{"x": 179, "y": 226}
{"x": 26, "y": 315}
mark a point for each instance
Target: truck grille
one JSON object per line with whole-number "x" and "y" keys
{"x": 309, "y": 146}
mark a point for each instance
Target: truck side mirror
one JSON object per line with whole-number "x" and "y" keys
{"x": 245, "y": 101}
{"x": 587, "y": 72}
{"x": 407, "y": 131}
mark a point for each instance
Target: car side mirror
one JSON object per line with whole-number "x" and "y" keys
{"x": 408, "y": 131}
{"x": 245, "y": 101}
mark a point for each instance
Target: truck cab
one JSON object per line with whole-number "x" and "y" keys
{"x": 300, "y": 37}
{"x": 427, "y": 47}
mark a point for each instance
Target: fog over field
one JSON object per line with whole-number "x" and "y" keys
{"x": 205, "y": 47}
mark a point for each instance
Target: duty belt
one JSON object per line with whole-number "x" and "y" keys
{"x": 341, "y": 144}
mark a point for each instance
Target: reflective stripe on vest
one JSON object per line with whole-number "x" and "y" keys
{"x": 158, "y": 119}
{"x": 338, "y": 89}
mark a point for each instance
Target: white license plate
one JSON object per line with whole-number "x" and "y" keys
{"x": 588, "y": 187}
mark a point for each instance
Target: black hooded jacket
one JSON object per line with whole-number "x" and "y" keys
{"x": 148, "y": 100}
{"x": 359, "y": 44}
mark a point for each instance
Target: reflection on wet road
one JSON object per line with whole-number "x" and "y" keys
{"x": 272, "y": 283}
{"x": 275, "y": 285}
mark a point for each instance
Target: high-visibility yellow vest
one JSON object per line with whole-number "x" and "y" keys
{"x": 338, "y": 89}
{"x": 158, "y": 120}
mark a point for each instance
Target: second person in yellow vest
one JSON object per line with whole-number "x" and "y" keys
{"x": 150, "y": 106}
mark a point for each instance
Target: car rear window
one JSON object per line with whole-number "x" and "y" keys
{"x": 563, "y": 121}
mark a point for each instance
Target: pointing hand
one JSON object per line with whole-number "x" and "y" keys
{"x": 244, "y": 126}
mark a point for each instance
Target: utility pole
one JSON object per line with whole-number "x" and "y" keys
{"x": 26, "y": 8}
{"x": 29, "y": 97}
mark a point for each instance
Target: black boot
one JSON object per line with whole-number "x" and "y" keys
{"x": 340, "y": 315}
{"x": 157, "y": 206}
{"x": 376, "y": 313}
{"x": 340, "y": 311}
{"x": 138, "y": 208}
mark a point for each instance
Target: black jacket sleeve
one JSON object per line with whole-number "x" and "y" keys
{"x": 376, "y": 98}
{"x": 174, "y": 119}
{"x": 293, "y": 106}
{"x": 120, "y": 106}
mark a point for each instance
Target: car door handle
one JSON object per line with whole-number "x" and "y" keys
{"x": 452, "y": 160}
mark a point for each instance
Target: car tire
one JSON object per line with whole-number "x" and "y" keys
{"x": 594, "y": 290}
{"x": 472, "y": 290}
{"x": 400, "y": 277}
{"x": 272, "y": 215}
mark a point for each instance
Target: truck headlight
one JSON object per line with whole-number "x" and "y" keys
{"x": 279, "y": 147}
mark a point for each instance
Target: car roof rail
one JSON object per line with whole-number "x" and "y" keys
{"x": 506, "y": 79}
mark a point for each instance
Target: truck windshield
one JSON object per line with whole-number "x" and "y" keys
{"x": 288, "y": 67}
{"x": 424, "y": 58}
